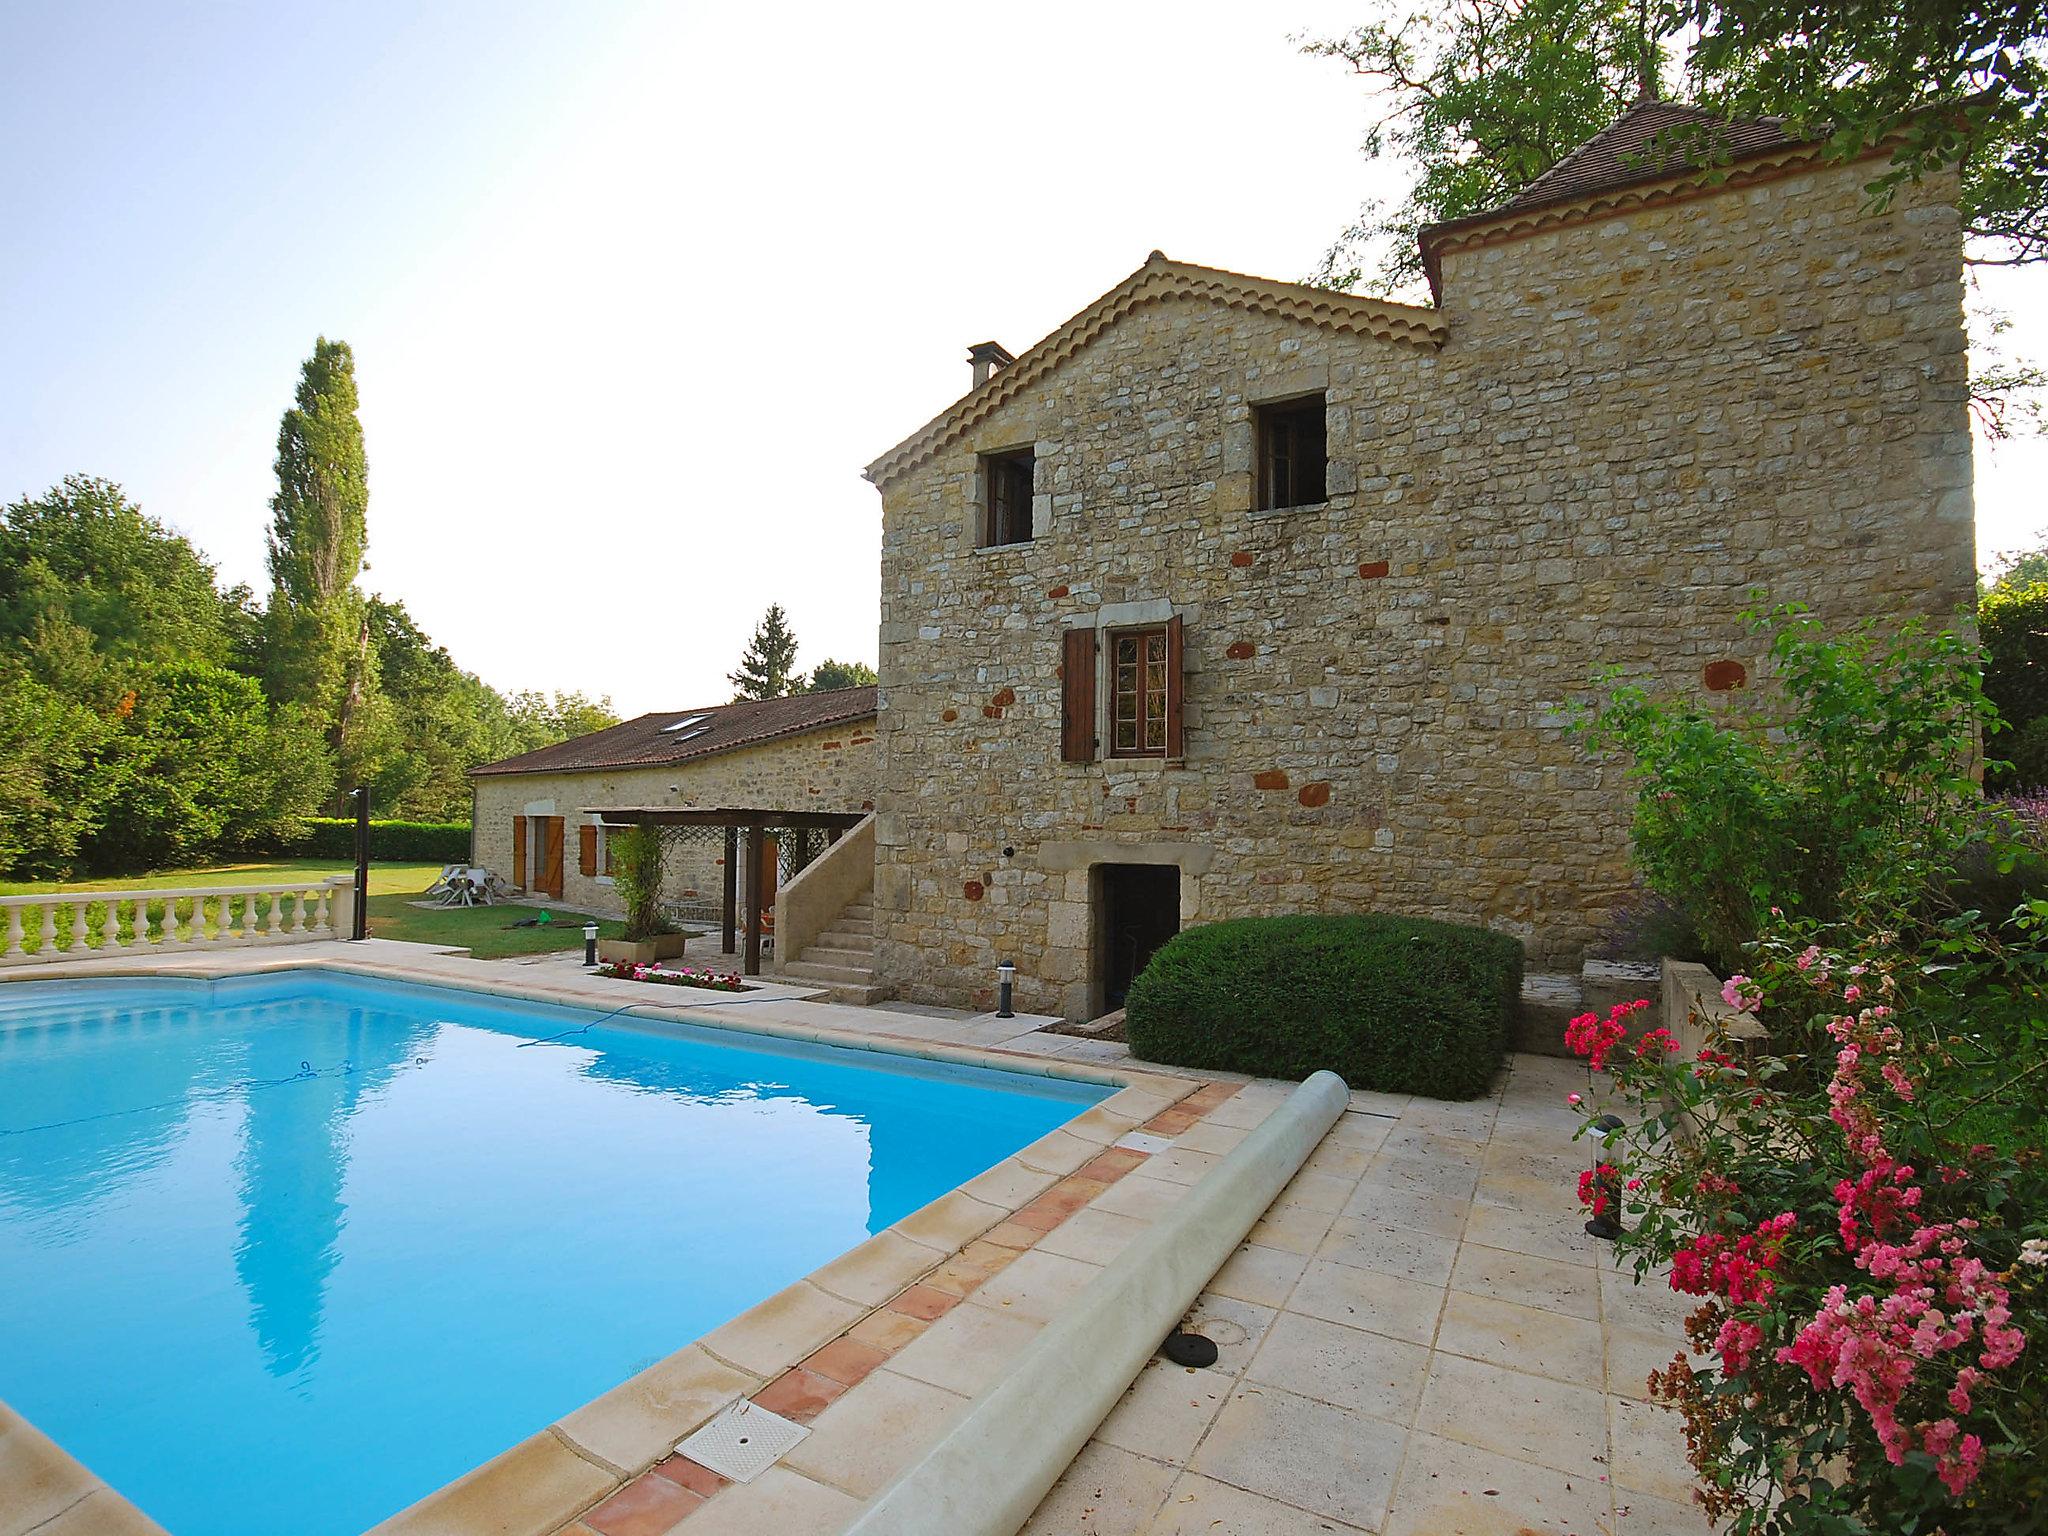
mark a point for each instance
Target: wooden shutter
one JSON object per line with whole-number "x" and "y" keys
{"x": 586, "y": 849}
{"x": 1176, "y": 704}
{"x": 1077, "y": 696}
{"x": 550, "y": 880}
{"x": 519, "y": 852}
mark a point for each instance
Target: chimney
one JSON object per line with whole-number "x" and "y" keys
{"x": 987, "y": 358}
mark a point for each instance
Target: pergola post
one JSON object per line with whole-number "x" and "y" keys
{"x": 732, "y": 885}
{"x": 753, "y": 965}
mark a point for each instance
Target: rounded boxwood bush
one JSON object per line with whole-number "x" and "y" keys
{"x": 1397, "y": 1004}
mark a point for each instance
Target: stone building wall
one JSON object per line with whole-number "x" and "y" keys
{"x": 1633, "y": 425}
{"x": 825, "y": 770}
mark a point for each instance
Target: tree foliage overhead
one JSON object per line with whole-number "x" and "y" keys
{"x": 830, "y": 674}
{"x": 1479, "y": 98}
{"x": 768, "y": 669}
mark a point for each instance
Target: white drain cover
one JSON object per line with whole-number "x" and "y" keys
{"x": 1144, "y": 1141}
{"x": 742, "y": 1442}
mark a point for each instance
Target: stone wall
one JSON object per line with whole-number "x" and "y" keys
{"x": 826, "y": 770}
{"x": 1634, "y": 425}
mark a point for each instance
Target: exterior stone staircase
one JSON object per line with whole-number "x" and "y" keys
{"x": 842, "y": 957}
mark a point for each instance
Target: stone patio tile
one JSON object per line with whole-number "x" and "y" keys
{"x": 1037, "y": 1286}
{"x": 1235, "y": 1327}
{"x": 1210, "y": 1137}
{"x": 1009, "y": 1184}
{"x": 1099, "y": 1124}
{"x": 887, "y": 1330}
{"x": 1422, "y": 1144}
{"x": 1113, "y": 1163}
{"x": 966, "y": 1349}
{"x": 1367, "y": 1372}
{"x": 1247, "y": 1109}
{"x": 1651, "y": 1306}
{"x": 787, "y": 1326}
{"x": 1529, "y": 1418}
{"x": 101, "y": 1512}
{"x": 778, "y": 1500}
{"x": 1310, "y": 1191}
{"x": 1559, "y": 1235}
{"x": 1528, "y": 1281}
{"x": 876, "y": 1430}
{"x": 1367, "y": 1101}
{"x": 1424, "y": 1257}
{"x": 950, "y": 1222}
{"x": 1059, "y": 1202}
{"x": 1182, "y": 1165}
{"x": 799, "y": 1395}
{"x": 925, "y": 1303}
{"x": 1200, "y": 1506}
{"x": 1448, "y": 1489}
{"x": 1422, "y": 1175}
{"x": 875, "y": 1270}
{"x": 1649, "y": 1450}
{"x": 647, "y": 1506}
{"x": 1165, "y": 1410}
{"x": 1328, "y": 1461}
{"x": 1138, "y": 1195}
{"x": 1528, "y": 1192}
{"x": 846, "y": 1361}
{"x": 1632, "y": 1353}
{"x": 970, "y": 1267}
{"x": 1259, "y": 1274}
{"x": 1058, "y": 1152}
{"x": 1297, "y": 1231}
{"x": 1104, "y": 1492}
{"x": 1641, "y": 1514}
{"x": 1094, "y": 1236}
{"x": 685, "y": 1473}
{"x": 638, "y": 1420}
{"x": 539, "y": 1484}
{"x": 1344, "y": 1162}
{"x": 1418, "y": 1209}
{"x": 1522, "y": 1338}
{"x": 1369, "y": 1299}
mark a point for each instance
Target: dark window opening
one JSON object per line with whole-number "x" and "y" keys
{"x": 1293, "y": 454}
{"x": 1137, "y": 693}
{"x": 1138, "y": 909}
{"x": 1007, "y": 512}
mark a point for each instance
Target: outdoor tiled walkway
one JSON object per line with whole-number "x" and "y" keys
{"x": 1420, "y": 1340}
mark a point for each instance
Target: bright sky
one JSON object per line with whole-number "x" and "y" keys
{"x": 635, "y": 289}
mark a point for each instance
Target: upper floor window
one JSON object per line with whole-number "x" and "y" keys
{"x": 1293, "y": 451}
{"x": 1137, "y": 693}
{"x": 1007, "y": 480}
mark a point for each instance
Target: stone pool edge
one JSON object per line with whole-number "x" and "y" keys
{"x": 538, "y": 1485}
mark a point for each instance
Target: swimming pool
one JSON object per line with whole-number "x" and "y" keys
{"x": 284, "y": 1253}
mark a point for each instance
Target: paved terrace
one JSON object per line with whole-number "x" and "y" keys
{"x": 1417, "y": 1338}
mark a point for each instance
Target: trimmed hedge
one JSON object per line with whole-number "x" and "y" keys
{"x": 1397, "y": 1004}
{"x": 398, "y": 842}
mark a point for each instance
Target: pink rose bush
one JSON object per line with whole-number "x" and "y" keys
{"x": 1861, "y": 1208}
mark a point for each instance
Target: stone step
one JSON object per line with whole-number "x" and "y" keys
{"x": 844, "y": 924}
{"x": 1550, "y": 1000}
{"x": 863, "y": 915}
{"x": 851, "y": 956}
{"x": 829, "y": 975}
{"x": 859, "y": 997}
{"x": 845, "y": 938}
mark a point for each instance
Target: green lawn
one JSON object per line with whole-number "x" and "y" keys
{"x": 484, "y": 931}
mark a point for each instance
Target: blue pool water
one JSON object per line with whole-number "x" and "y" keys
{"x": 283, "y": 1254}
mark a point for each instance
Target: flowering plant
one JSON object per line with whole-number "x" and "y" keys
{"x": 1862, "y": 1211}
{"x": 681, "y": 976}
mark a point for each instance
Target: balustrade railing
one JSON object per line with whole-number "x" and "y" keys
{"x": 64, "y": 925}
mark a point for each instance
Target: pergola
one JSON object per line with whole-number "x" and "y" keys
{"x": 754, "y": 823}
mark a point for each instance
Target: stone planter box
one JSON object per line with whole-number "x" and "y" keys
{"x": 665, "y": 946}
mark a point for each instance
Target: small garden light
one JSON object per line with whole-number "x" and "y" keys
{"x": 1006, "y": 979}
{"x": 1605, "y": 1186}
{"x": 590, "y": 943}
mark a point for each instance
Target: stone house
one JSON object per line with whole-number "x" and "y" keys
{"x": 1234, "y": 596}
{"x": 537, "y": 818}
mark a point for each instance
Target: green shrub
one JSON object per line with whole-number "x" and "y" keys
{"x": 1397, "y": 1004}
{"x": 395, "y": 842}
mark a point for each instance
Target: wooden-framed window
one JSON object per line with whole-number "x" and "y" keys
{"x": 608, "y": 834}
{"x": 1007, "y": 482}
{"x": 1141, "y": 692}
{"x": 1293, "y": 453}
{"x": 1137, "y": 692}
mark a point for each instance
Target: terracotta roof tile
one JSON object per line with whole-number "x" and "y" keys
{"x": 1626, "y": 151}
{"x": 652, "y": 740}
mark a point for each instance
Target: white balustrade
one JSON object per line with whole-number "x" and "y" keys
{"x": 277, "y": 912}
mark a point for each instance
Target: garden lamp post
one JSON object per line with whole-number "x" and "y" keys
{"x": 1607, "y": 1186}
{"x": 1006, "y": 980}
{"x": 590, "y": 943}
